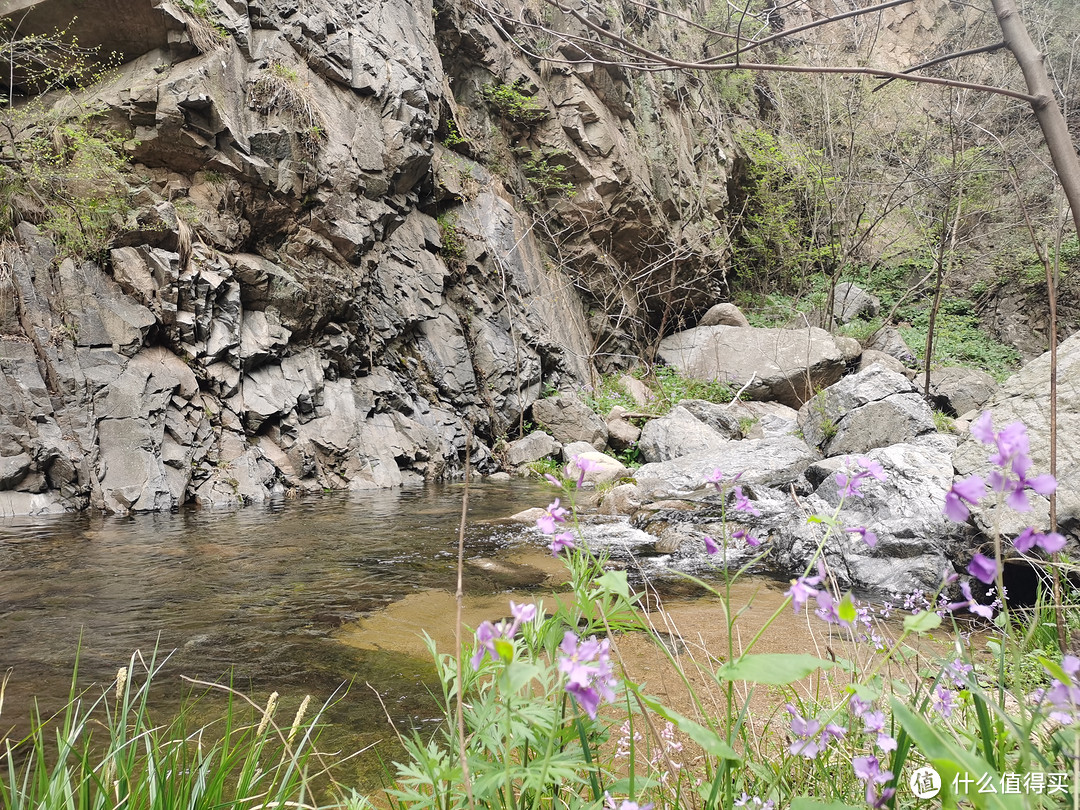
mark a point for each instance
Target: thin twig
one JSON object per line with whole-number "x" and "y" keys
{"x": 460, "y": 599}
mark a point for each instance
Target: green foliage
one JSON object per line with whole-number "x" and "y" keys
{"x": 513, "y": 104}
{"x": 453, "y": 240}
{"x": 60, "y": 165}
{"x": 107, "y": 751}
{"x": 782, "y": 191}
{"x": 453, "y": 137}
{"x": 668, "y": 385}
{"x": 546, "y": 177}
{"x": 943, "y": 423}
{"x": 960, "y": 340}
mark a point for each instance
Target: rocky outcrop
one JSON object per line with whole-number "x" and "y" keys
{"x": 786, "y": 365}
{"x": 311, "y": 291}
{"x": 873, "y": 408}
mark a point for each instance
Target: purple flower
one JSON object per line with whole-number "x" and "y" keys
{"x": 850, "y": 481}
{"x": 876, "y": 801}
{"x": 802, "y": 590}
{"x": 961, "y": 494}
{"x": 742, "y": 503}
{"x": 562, "y": 542}
{"x": 521, "y": 614}
{"x": 857, "y": 706}
{"x": 587, "y": 667}
{"x": 552, "y": 515}
{"x": 710, "y": 545}
{"x": 1051, "y": 542}
{"x": 886, "y": 742}
{"x": 868, "y": 769}
{"x": 1013, "y": 461}
{"x": 487, "y": 633}
{"x": 629, "y": 805}
{"x": 1064, "y": 697}
{"x": 715, "y": 477}
{"x": 982, "y": 568}
{"x": 942, "y": 701}
{"x": 873, "y": 721}
{"x": 551, "y": 479}
{"x": 867, "y": 536}
{"x": 584, "y": 465}
{"x": 959, "y": 670}
{"x": 969, "y": 602}
{"x": 746, "y": 537}
{"x": 807, "y": 743}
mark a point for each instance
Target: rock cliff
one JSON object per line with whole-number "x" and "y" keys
{"x": 356, "y": 230}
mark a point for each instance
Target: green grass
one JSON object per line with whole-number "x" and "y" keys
{"x": 107, "y": 750}
{"x": 667, "y": 385}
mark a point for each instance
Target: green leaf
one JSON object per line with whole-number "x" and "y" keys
{"x": 777, "y": 669}
{"x": 504, "y": 649}
{"x": 1054, "y": 669}
{"x": 865, "y": 692}
{"x": 951, "y": 760}
{"x": 846, "y": 609}
{"x": 922, "y": 622}
{"x": 709, "y": 740}
{"x": 804, "y": 803}
{"x": 614, "y": 582}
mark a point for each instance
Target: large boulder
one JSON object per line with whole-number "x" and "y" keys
{"x": 535, "y": 446}
{"x": 569, "y": 419}
{"x": 777, "y": 461}
{"x": 787, "y": 365}
{"x": 851, "y": 302}
{"x": 874, "y": 408}
{"x": 681, "y": 432}
{"x": 916, "y": 544}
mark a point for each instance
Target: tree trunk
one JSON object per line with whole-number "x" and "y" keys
{"x": 1047, "y": 110}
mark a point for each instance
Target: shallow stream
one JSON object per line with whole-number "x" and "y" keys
{"x": 297, "y": 597}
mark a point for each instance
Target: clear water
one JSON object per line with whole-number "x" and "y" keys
{"x": 255, "y": 596}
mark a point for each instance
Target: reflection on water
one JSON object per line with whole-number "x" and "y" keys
{"x": 253, "y": 594}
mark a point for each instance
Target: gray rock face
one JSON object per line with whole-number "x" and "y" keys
{"x": 535, "y": 446}
{"x": 959, "y": 390}
{"x": 681, "y": 432}
{"x": 777, "y": 462}
{"x": 888, "y": 340}
{"x": 851, "y": 302}
{"x": 916, "y": 543}
{"x": 570, "y": 420}
{"x": 874, "y": 408}
{"x": 787, "y": 365}
{"x": 724, "y": 314}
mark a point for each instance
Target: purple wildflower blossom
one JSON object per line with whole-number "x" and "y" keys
{"x": 886, "y": 742}
{"x": 710, "y": 545}
{"x": 584, "y": 465}
{"x": 867, "y": 536}
{"x": 962, "y": 493}
{"x": 1051, "y": 542}
{"x": 742, "y": 503}
{"x": 589, "y": 675}
{"x": 850, "y": 481}
{"x": 802, "y": 590}
{"x": 807, "y": 743}
{"x": 982, "y": 568}
{"x": 942, "y": 701}
{"x": 487, "y": 633}
{"x": 746, "y": 537}
{"x": 562, "y": 542}
{"x": 552, "y": 515}
{"x": 969, "y": 602}
{"x": 1063, "y": 697}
